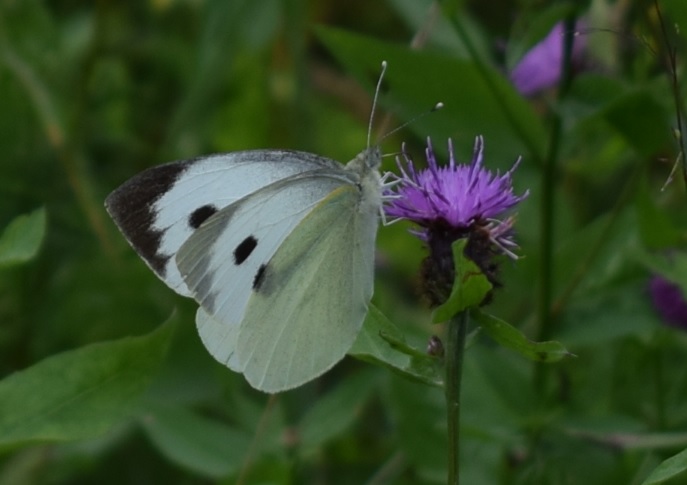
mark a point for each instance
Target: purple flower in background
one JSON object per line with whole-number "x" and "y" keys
{"x": 542, "y": 66}
{"x": 452, "y": 202}
{"x": 669, "y": 301}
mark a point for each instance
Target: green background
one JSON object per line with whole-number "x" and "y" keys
{"x": 104, "y": 379}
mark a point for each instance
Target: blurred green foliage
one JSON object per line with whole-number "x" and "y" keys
{"x": 93, "y": 92}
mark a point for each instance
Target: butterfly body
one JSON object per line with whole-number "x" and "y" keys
{"x": 276, "y": 246}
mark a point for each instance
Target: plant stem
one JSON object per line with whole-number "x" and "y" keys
{"x": 455, "y": 348}
{"x": 671, "y": 52}
{"x": 548, "y": 202}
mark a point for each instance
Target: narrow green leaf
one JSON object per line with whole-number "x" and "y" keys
{"x": 402, "y": 346}
{"x": 470, "y": 286}
{"x": 670, "y": 468}
{"x": 631, "y": 441}
{"x": 206, "y": 446}
{"x": 22, "y": 238}
{"x": 510, "y": 337}
{"x": 80, "y": 393}
{"x": 370, "y": 343}
{"x": 381, "y": 342}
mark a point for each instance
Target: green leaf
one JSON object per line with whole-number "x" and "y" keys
{"x": 470, "y": 286}
{"x": 477, "y": 99}
{"x": 510, "y": 337}
{"x": 418, "y": 420}
{"x": 80, "y": 393}
{"x": 618, "y": 311}
{"x": 22, "y": 238}
{"x": 648, "y": 133}
{"x": 369, "y": 342}
{"x": 672, "y": 467}
{"x": 381, "y": 342}
{"x": 333, "y": 413}
{"x": 206, "y": 446}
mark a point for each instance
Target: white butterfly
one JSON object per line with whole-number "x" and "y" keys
{"x": 276, "y": 246}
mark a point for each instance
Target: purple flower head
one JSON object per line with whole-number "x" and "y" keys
{"x": 669, "y": 301}
{"x": 452, "y": 202}
{"x": 542, "y": 66}
{"x": 458, "y": 196}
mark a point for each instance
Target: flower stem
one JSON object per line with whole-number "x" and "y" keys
{"x": 549, "y": 176}
{"x": 455, "y": 348}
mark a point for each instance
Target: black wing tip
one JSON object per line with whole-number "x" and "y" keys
{"x": 145, "y": 187}
{"x": 131, "y": 207}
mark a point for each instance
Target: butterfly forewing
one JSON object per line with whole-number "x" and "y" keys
{"x": 222, "y": 261}
{"x": 160, "y": 208}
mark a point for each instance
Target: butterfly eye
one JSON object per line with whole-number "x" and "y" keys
{"x": 244, "y": 249}
{"x": 200, "y": 215}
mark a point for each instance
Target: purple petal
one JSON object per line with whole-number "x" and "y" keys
{"x": 669, "y": 301}
{"x": 541, "y": 67}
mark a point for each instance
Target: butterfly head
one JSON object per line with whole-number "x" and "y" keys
{"x": 369, "y": 160}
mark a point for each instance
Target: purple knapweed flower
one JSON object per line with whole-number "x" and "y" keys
{"x": 458, "y": 196}
{"x": 541, "y": 68}
{"x": 452, "y": 202}
{"x": 669, "y": 301}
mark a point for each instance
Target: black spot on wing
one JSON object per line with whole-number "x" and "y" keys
{"x": 200, "y": 215}
{"x": 244, "y": 249}
{"x": 131, "y": 207}
{"x": 259, "y": 277}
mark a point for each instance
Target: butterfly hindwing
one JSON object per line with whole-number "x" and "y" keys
{"x": 219, "y": 339}
{"x": 289, "y": 337}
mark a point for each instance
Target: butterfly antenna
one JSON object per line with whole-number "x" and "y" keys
{"x": 374, "y": 103}
{"x": 436, "y": 107}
